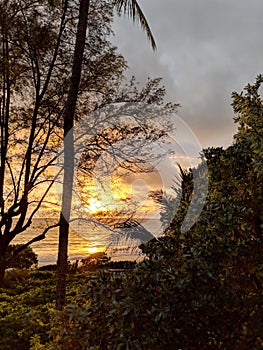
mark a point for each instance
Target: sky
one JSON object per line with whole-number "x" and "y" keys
{"x": 206, "y": 49}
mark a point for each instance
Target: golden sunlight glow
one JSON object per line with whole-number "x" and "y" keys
{"x": 119, "y": 195}
{"x": 95, "y": 206}
{"x": 93, "y": 250}
{"x": 110, "y": 197}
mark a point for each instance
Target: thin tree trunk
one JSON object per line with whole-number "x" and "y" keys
{"x": 2, "y": 268}
{"x": 2, "y": 271}
{"x": 69, "y": 153}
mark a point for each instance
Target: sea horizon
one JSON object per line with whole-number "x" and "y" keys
{"x": 83, "y": 241}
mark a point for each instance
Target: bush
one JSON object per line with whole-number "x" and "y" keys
{"x": 192, "y": 301}
{"x": 122, "y": 265}
{"x": 26, "y": 308}
{"x": 51, "y": 267}
{"x": 24, "y": 260}
{"x": 15, "y": 277}
{"x": 94, "y": 261}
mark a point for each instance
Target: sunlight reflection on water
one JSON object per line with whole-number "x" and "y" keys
{"x": 79, "y": 247}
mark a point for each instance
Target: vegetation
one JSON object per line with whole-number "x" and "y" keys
{"x": 133, "y": 10}
{"x": 197, "y": 290}
{"x": 95, "y": 261}
{"x": 34, "y": 85}
{"x": 101, "y": 260}
{"x": 200, "y": 289}
{"x": 23, "y": 260}
{"x": 27, "y": 305}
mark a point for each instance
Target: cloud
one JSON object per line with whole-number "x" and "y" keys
{"x": 206, "y": 50}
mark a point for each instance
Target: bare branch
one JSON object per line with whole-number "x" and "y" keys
{"x": 33, "y": 240}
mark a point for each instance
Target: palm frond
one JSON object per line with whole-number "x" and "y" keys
{"x": 132, "y": 9}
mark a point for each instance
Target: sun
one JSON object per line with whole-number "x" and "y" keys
{"x": 107, "y": 203}
{"x": 114, "y": 197}
{"x": 93, "y": 250}
{"x": 95, "y": 206}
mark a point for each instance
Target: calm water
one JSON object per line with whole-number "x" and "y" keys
{"x": 82, "y": 241}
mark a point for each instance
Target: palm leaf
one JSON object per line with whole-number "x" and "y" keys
{"x": 132, "y": 9}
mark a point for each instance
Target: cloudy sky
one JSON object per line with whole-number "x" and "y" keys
{"x": 206, "y": 50}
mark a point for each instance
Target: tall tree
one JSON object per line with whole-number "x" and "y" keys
{"x": 133, "y": 10}
{"x": 36, "y": 45}
{"x": 69, "y": 153}
{"x": 28, "y": 112}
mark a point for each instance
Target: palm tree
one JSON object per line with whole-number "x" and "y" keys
{"x": 69, "y": 153}
{"x": 132, "y": 9}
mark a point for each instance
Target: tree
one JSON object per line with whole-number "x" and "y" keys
{"x": 132, "y": 9}
{"x": 29, "y": 115}
{"x": 69, "y": 153}
{"x": 34, "y": 81}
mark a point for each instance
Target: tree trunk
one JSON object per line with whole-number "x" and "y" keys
{"x": 2, "y": 269}
{"x": 69, "y": 153}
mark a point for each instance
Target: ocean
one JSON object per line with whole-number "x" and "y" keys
{"x": 84, "y": 239}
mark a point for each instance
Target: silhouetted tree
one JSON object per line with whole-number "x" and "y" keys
{"x": 133, "y": 10}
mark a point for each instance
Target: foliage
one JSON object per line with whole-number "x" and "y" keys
{"x": 121, "y": 265}
{"x": 25, "y": 309}
{"x": 101, "y": 260}
{"x": 94, "y": 261}
{"x": 15, "y": 277}
{"x": 24, "y": 260}
{"x": 27, "y": 306}
{"x": 196, "y": 290}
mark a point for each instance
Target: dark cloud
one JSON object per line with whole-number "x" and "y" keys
{"x": 206, "y": 50}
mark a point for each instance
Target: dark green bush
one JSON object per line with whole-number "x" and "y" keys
{"x": 122, "y": 265}
{"x": 24, "y": 260}
{"x": 94, "y": 261}
{"x": 51, "y": 267}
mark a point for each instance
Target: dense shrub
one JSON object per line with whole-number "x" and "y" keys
{"x": 26, "y": 308}
{"x": 120, "y": 265}
{"x": 24, "y": 260}
{"x": 190, "y": 302}
{"x": 95, "y": 261}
